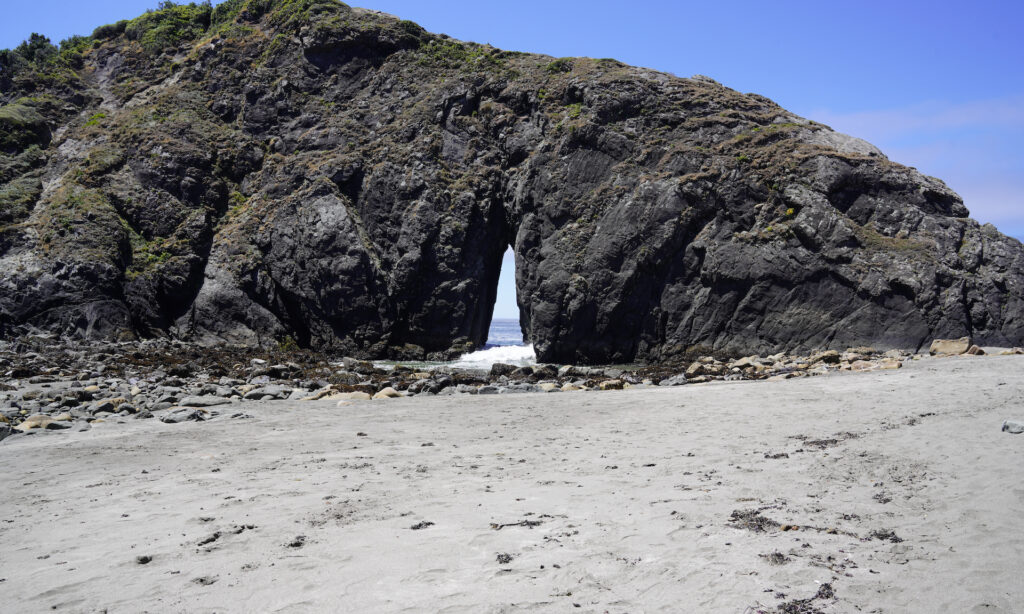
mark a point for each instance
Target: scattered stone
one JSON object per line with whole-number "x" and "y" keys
{"x": 144, "y": 559}
{"x": 421, "y": 525}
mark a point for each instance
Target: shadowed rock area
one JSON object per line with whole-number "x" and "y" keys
{"x": 302, "y": 172}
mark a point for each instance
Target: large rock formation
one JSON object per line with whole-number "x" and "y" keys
{"x": 298, "y": 169}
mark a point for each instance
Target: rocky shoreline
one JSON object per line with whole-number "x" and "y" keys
{"x": 46, "y": 386}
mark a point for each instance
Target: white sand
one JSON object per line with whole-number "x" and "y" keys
{"x": 633, "y": 490}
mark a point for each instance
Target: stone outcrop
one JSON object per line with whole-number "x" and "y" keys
{"x": 300, "y": 172}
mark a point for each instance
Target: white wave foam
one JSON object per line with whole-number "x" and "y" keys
{"x": 521, "y": 355}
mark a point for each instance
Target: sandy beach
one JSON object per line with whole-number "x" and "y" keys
{"x": 878, "y": 492}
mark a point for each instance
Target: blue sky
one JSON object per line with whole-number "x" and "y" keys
{"x": 936, "y": 85}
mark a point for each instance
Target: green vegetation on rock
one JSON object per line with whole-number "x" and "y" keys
{"x": 169, "y": 26}
{"x": 21, "y": 126}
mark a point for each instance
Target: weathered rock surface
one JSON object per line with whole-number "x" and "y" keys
{"x": 301, "y": 172}
{"x": 950, "y": 346}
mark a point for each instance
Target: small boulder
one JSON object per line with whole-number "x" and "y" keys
{"x": 357, "y": 366}
{"x": 523, "y": 372}
{"x": 387, "y": 393}
{"x": 695, "y": 369}
{"x": 40, "y": 421}
{"x": 545, "y": 371}
{"x": 498, "y": 369}
{"x": 675, "y": 380}
{"x": 830, "y": 357}
{"x": 950, "y": 347}
{"x": 110, "y": 405}
{"x": 890, "y": 363}
{"x": 746, "y": 361}
{"x": 277, "y": 392}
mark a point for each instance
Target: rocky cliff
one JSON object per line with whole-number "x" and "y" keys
{"x": 298, "y": 170}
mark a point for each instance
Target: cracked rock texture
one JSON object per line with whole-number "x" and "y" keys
{"x": 299, "y": 170}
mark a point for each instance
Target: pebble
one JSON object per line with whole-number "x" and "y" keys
{"x": 1014, "y": 427}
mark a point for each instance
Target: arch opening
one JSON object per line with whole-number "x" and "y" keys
{"x": 505, "y": 327}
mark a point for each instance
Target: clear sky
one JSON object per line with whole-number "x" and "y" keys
{"x": 936, "y": 85}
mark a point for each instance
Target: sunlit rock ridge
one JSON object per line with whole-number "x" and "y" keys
{"x": 299, "y": 171}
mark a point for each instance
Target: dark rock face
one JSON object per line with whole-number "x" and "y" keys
{"x": 303, "y": 170}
